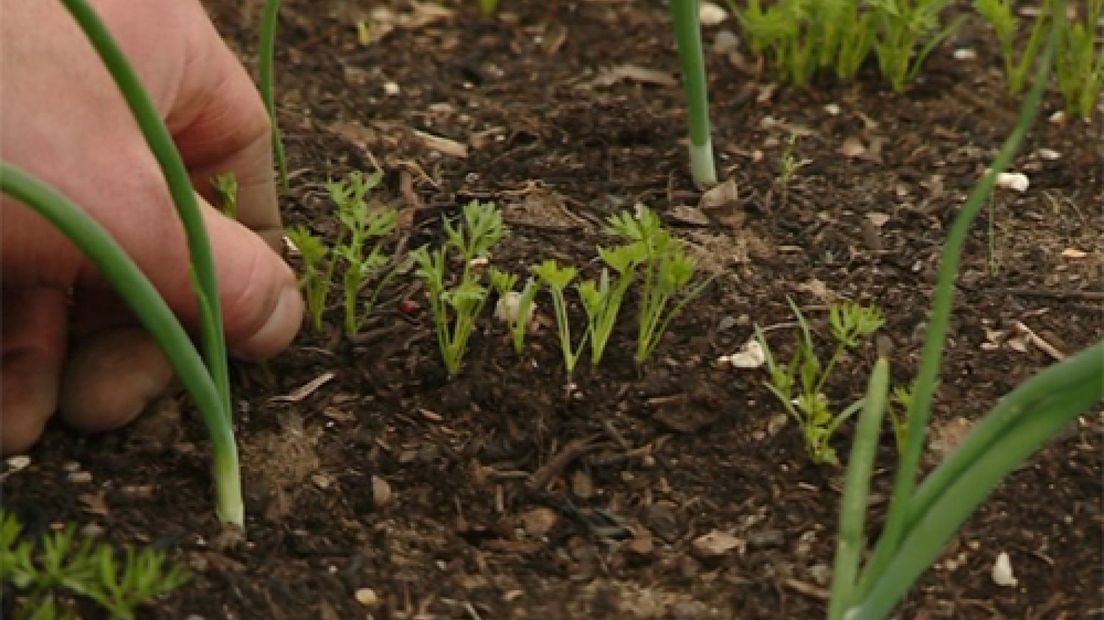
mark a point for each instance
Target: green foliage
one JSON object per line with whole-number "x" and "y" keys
{"x": 557, "y": 278}
{"x": 360, "y": 249}
{"x": 602, "y": 301}
{"x": 1079, "y": 64}
{"x": 488, "y": 7}
{"x": 518, "y": 307}
{"x": 903, "y": 27}
{"x": 788, "y": 167}
{"x": 999, "y": 15}
{"x": 455, "y": 309}
{"x": 899, "y": 406}
{"x": 668, "y": 275}
{"x": 800, "y": 37}
{"x": 59, "y": 563}
{"x": 225, "y": 185}
{"x": 799, "y": 385}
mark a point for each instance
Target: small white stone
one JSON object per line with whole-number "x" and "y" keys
{"x": 725, "y": 42}
{"x": 18, "y": 462}
{"x": 1002, "y": 572}
{"x": 710, "y": 14}
{"x": 750, "y": 355}
{"x": 390, "y": 89}
{"x": 832, "y": 109}
{"x": 1049, "y": 154}
{"x": 506, "y": 310}
{"x": 1058, "y": 117}
{"x": 1016, "y": 181}
{"x": 367, "y": 597}
{"x": 965, "y": 53}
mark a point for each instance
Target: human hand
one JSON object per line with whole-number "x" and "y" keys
{"x": 68, "y": 344}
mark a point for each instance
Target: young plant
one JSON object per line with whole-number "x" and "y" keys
{"x": 800, "y": 37}
{"x": 922, "y": 519}
{"x": 557, "y": 278}
{"x": 668, "y": 273}
{"x": 488, "y": 7}
{"x": 799, "y": 385}
{"x": 999, "y": 15}
{"x": 58, "y": 563}
{"x": 266, "y": 70}
{"x": 360, "y": 244}
{"x": 455, "y": 309}
{"x": 1080, "y": 61}
{"x": 317, "y": 273}
{"x": 788, "y": 167}
{"x": 684, "y": 16}
{"x": 902, "y": 26}
{"x": 898, "y": 407}
{"x": 514, "y": 308}
{"x": 602, "y": 301}
{"x": 225, "y": 185}
{"x": 206, "y": 378}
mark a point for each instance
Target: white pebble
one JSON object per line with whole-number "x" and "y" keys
{"x": 390, "y": 89}
{"x": 751, "y": 355}
{"x": 832, "y": 108}
{"x": 710, "y": 14}
{"x": 965, "y": 53}
{"x": 1002, "y": 572}
{"x": 19, "y": 462}
{"x": 1016, "y": 181}
{"x": 1049, "y": 154}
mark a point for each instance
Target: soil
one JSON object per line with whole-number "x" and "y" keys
{"x": 378, "y": 488}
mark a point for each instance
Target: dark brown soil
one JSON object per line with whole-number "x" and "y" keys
{"x": 504, "y": 494}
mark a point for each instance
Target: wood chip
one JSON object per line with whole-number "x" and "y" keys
{"x": 716, "y": 544}
{"x": 382, "y": 497}
{"x": 539, "y": 521}
{"x": 632, "y": 73}
{"x": 443, "y": 145}
{"x": 306, "y": 389}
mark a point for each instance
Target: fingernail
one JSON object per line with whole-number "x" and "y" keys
{"x": 279, "y": 330}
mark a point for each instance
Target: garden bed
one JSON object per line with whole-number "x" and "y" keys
{"x": 375, "y": 485}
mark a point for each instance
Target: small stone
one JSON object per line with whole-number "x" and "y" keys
{"x": 1002, "y": 572}
{"x": 821, "y": 574}
{"x": 390, "y": 89}
{"x": 1048, "y": 154}
{"x": 832, "y": 109}
{"x": 716, "y": 544}
{"x": 725, "y": 42}
{"x": 367, "y": 597}
{"x": 18, "y": 462}
{"x": 321, "y": 481}
{"x": 1015, "y": 181}
{"x": 964, "y": 53}
{"x": 381, "y": 493}
{"x": 539, "y": 521}
{"x": 80, "y": 477}
{"x": 710, "y": 14}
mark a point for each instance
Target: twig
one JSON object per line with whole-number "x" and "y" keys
{"x": 1069, "y": 294}
{"x": 573, "y": 450}
{"x": 1038, "y": 341}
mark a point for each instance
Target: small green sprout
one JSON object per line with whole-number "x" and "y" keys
{"x": 515, "y": 308}
{"x": 602, "y": 301}
{"x": 225, "y": 185}
{"x": 1079, "y": 64}
{"x": 317, "y": 276}
{"x": 668, "y": 272}
{"x": 900, "y": 404}
{"x": 849, "y": 324}
{"x": 59, "y": 563}
{"x": 557, "y": 278}
{"x": 360, "y": 245}
{"x": 788, "y": 166}
{"x": 455, "y": 309}
{"x": 999, "y": 15}
{"x": 488, "y": 7}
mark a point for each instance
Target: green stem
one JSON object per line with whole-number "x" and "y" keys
{"x": 684, "y": 14}
{"x": 932, "y": 354}
{"x": 155, "y": 316}
{"x": 180, "y": 188}
{"x": 266, "y": 69}
{"x": 856, "y": 489}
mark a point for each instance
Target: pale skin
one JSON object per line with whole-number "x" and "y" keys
{"x": 68, "y": 345}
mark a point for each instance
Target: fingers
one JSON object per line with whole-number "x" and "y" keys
{"x": 110, "y": 377}
{"x": 33, "y": 350}
{"x": 220, "y": 125}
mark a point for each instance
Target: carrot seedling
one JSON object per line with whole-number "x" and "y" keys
{"x": 799, "y": 385}
{"x": 1079, "y": 64}
{"x": 903, "y": 25}
{"x": 360, "y": 244}
{"x": 999, "y": 15}
{"x": 225, "y": 185}
{"x": 455, "y": 309}
{"x": 602, "y": 301}
{"x": 668, "y": 276}
{"x": 514, "y": 308}
{"x": 317, "y": 272}
{"x": 557, "y": 278}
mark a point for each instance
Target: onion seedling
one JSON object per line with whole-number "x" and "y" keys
{"x": 922, "y": 519}
{"x": 557, "y": 278}
{"x": 799, "y": 385}
{"x": 206, "y": 378}
{"x": 514, "y": 308}
{"x": 266, "y": 70}
{"x": 684, "y": 15}
{"x": 455, "y": 309}
{"x": 601, "y": 301}
{"x": 668, "y": 272}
